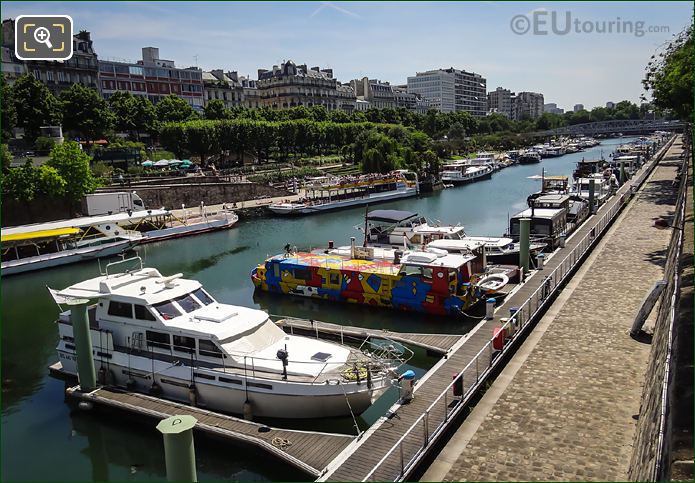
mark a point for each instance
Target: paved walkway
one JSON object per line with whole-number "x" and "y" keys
{"x": 567, "y": 412}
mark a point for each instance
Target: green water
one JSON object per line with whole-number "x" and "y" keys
{"x": 45, "y": 438}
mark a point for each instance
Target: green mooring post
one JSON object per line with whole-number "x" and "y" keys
{"x": 179, "y": 452}
{"x": 592, "y": 191}
{"x": 86, "y": 372}
{"x": 524, "y": 235}
{"x": 623, "y": 178}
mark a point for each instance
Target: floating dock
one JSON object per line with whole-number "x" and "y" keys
{"x": 392, "y": 448}
{"x": 436, "y": 343}
{"x": 309, "y": 451}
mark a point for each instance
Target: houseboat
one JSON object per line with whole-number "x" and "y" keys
{"x": 547, "y": 225}
{"x": 433, "y": 281}
{"x": 166, "y": 335}
{"x": 45, "y": 245}
{"x": 529, "y": 157}
{"x": 351, "y": 192}
{"x": 462, "y": 172}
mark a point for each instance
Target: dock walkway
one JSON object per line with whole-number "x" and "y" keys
{"x": 567, "y": 403}
{"x": 437, "y": 343}
{"x": 391, "y": 449}
{"x": 309, "y": 451}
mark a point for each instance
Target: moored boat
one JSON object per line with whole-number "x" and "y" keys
{"x": 422, "y": 281}
{"x": 170, "y": 337}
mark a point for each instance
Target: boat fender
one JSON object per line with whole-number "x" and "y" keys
{"x": 247, "y": 410}
{"x": 155, "y": 389}
{"x": 102, "y": 376}
{"x": 192, "y": 395}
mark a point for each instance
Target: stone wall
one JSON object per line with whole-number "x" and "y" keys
{"x": 172, "y": 196}
{"x": 646, "y": 463}
{"x": 37, "y": 210}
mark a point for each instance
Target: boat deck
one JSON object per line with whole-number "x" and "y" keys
{"x": 307, "y": 450}
{"x": 437, "y": 343}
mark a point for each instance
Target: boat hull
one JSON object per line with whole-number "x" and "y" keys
{"x": 67, "y": 256}
{"x": 460, "y": 181}
{"x": 189, "y": 230}
{"x": 303, "y": 401}
{"x": 304, "y": 209}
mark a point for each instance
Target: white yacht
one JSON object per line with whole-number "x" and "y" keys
{"x": 603, "y": 188}
{"x": 169, "y": 337}
{"x": 460, "y": 172}
{"x": 398, "y": 229}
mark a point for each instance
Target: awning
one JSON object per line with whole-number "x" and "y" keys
{"x": 393, "y": 216}
{"x": 38, "y": 234}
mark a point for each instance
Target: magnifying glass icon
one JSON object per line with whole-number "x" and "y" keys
{"x": 43, "y": 36}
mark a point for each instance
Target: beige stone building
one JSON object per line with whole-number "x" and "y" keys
{"x": 291, "y": 85}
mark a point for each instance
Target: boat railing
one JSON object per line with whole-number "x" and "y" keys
{"x": 416, "y": 440}
{"x": 123, "y": 262}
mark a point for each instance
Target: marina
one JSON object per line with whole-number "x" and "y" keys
{"x": 437, "y": 334}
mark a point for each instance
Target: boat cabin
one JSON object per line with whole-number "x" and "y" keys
{"x": 547, "y": 224}
{"x": 551, "y": 201}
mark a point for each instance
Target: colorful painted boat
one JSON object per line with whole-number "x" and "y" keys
{"x": 436, "y": 283}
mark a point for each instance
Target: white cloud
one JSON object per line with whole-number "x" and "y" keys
{"x": 335, "y": 7}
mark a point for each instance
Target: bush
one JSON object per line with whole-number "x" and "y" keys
{"x": 44, "y": 144}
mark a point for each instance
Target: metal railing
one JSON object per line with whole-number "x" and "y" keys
{"x": 429, "y": 425}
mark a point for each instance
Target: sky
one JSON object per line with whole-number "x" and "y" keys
{"x": 393, "y": 40}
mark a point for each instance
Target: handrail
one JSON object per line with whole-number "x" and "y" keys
{"x": 541, "y": 295}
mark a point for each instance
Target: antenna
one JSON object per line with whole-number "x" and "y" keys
{"x": 196, "y": 59}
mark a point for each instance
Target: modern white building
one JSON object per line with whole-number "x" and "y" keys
{"x": 451, "y": 89}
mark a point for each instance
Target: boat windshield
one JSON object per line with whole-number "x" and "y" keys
{"x": 167, "y": 310}
{"x": 187, "y": 303}
{"x": 204, "y": 298}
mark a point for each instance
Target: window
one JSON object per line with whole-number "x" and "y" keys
{"x": 49, "y": 76}
{"x": 229, "y": 381}
{"x": 61, "y": 76}
{"x": 106, "y": 68}
{"x": 167, "y": 310}
{"x": 302, "y": 274}
{"x": 135, "y": 70}
{"x": 184, "y": 344}
{"x": 334, "y": 278}
{"x": 200, "y": 375}
{"x": 120, "y": 309}
{"x": 142, "y": 313}
{"x": 188, "y": 303}
{"x": 158, "y": 339}
{"x": 204, "y": 298}
{"x": 122, "y": 69}
{"x": 208, "y": 348}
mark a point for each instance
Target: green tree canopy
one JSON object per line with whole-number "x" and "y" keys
{"x": 215, "y": 109}
{"x": 9, "y": 112}
{"x": 72, "y": 165}
{"x": 669, "y": 75}
{"x": 35, "y": 106}
{"x": 174, "y": 109}
{"x": 85, "y": 112}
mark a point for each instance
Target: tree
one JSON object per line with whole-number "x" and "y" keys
{"x": 215, "y": 110}
{"x": 72, "y": 165}
{"x": 174, "y": 109}
{"x": 85, "y": 112}
{"x": 6, "y": 158}
{"x": 9, "y": 112}
{"x": 49, "y": 182}
{"x": 35, "y": 106}
{"x": 144, "y": 116}
{"x": 669, "y": 76}
{"x": 20, "y": 183}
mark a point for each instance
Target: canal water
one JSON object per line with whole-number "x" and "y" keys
{"x": 45, "y": 438}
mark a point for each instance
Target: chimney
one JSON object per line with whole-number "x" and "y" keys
{"x": 316, "y": 69}
{"x": 328, "y": 72}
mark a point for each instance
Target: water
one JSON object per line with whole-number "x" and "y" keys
{"x": 45, "y": 438}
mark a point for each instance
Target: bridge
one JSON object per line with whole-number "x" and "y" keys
{"x": 627, "y": 126}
